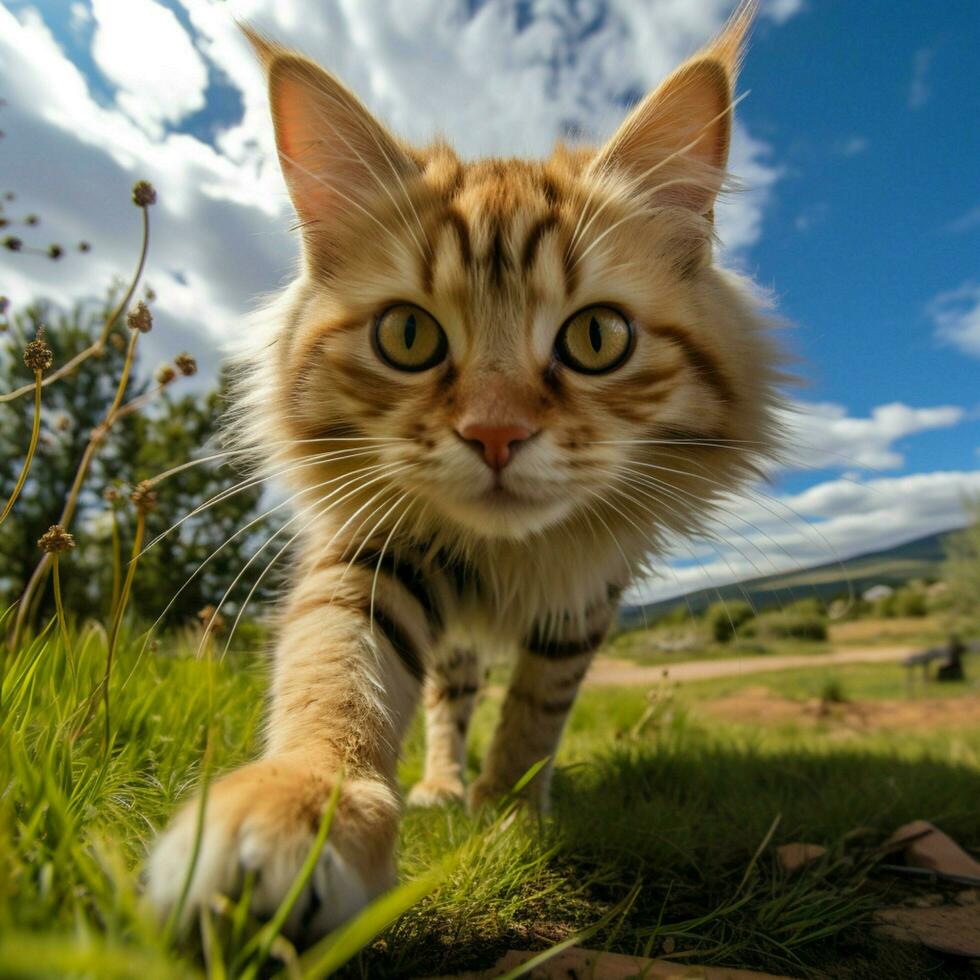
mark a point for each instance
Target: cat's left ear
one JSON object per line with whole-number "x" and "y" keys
{"x": 673, "y": 147}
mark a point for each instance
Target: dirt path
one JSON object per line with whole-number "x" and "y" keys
{"x": 610, "y": 672}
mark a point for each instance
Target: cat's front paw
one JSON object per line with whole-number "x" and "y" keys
{"x": 264, "y": 818}
{"x": 437, "y": 792}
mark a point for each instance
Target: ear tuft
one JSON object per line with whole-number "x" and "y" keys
{"x": 265, "y": 48}
{"x": 728, "y": 48}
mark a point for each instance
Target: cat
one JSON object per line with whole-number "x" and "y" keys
{"x": 493, "y": 390}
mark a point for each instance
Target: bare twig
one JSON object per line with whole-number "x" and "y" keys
{"x": 29, "y": 458}
{"x": 71, "y": 502}
{"x": 99, "y": 344}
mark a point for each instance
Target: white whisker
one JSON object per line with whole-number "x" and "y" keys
{"x": 339, "y": 455}
{"x": 285, "y": 547}
{"x": 224, "y": 454}
{"x": 295, "y": 517}
{"x": 243, "y": 529}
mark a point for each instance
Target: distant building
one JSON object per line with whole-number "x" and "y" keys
{"x": 877, "y": 592}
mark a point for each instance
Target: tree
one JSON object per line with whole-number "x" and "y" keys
{"x": 70, "y": 410}
{"x": 961, "y": 572}
{"x": 184, "y": 561}
{"x": 168, "y": 431}
{"x": 724, "y": 619}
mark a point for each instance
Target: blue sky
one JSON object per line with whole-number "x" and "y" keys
{"x": 858, "y": 145}
{"x": 882, "y": 160}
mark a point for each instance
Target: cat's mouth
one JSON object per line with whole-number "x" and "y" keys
{"x": 499, "y": 512}
{"x": 499, "y": 496}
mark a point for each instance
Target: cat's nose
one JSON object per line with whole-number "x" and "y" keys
{"x": 496, "y": 442}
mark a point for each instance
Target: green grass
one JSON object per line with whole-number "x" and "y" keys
{"x": 859, "y": 681}
{"x": 654, "y": 843}
{"x": 641, "y": 646}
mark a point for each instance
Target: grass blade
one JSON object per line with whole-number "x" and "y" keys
{"x": 331, "y": 953}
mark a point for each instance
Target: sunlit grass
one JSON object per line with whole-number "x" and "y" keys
{"x": 658, "y": 816}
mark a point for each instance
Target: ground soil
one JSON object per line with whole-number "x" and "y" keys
{"x": 888, "y": 631}
{"x": 760, "y": 706}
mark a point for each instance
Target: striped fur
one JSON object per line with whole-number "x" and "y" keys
{"x": 414, "y": 560}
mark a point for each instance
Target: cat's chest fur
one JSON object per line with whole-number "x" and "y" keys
{"x": 551, "y": 584}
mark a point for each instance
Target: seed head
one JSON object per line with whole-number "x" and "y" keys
{"x": 32, "y": 220}
{"x": 211, "y": 619}
{"x": 140, "y": 318}
{"x": 111, "y": 495}
{"x": 185, "y": 364}
{"x": 84, "y": 247}
{"x": 37, "y": 354}
{"x": 55, "y": 540}
{"x": 9, "y": 195}
{"x": 3, "y": 222}
{"x": 150, "y": 293}
{"x": 165, "y": 374}
{"x": 55, "y": 252}
{"x": 144, "y": 194}
{"x": 144, "y": 497}
{"x": 63, "y": 424}
{"x": 12, "y": 243}
{"x": 117, "y": 341}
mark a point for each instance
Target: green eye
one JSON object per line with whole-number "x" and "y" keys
{"x": 595, "y": 340}
{"x": 408, "y": 338}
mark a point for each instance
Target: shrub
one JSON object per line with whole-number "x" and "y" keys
{"x": 724, "y": 619}
{"x": 792, "y": 624}
{"x": 833, "y": 692}
{"x": 679, "y": 615}
{"x": 811, "y": 606}
{"x": 961, "y": 572}
{"x": 909, "y": 602}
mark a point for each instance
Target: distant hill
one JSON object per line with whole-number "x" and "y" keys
{"x": 894, "y": 566}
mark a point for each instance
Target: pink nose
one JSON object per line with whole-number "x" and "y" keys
{"x": 496, "y": 441}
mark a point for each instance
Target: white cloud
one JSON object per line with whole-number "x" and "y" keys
{"x": 491, "y": 81}
{"x": 831, "y": 521}
{"x": 956, "y": 315}
{"x": 80, "y": 15}
{"x": 965, "y": 222}
{"x": 553, "y": 75}
{"x": 220, "y": 222}
{"x": 919, "y": 92}
{"x": 782, "y": 10}
{"x": 142, "y": 49}
{"x": 761, "y": 533}
{"x": 218, "y": 234}
{"x": 822, "y": 435}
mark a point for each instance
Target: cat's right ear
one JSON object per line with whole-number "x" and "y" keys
{"x": 673, "y": 147}
{"x": 334, "y": 154}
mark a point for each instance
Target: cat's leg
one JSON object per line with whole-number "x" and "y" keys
{"x": 546, "y": 679}
{"x": 344, "y": 687}
{"x": 451, "y": 686}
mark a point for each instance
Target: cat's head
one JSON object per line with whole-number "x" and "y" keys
{"x": 515, "y": 342}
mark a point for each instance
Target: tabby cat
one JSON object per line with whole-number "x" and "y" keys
{"x": 495, "y": 388}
